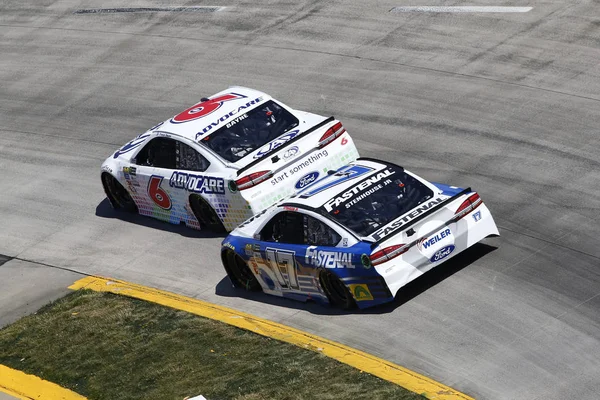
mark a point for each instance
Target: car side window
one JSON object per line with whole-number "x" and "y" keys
{"x": 296, "y": 228}
{"x": 317, "y": 233}
{"x": 285, "y": 227}
{"x": 159, "y": 152}
{"x": 189, "y": 159}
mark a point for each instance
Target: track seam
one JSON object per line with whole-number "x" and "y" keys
{"x": 551, "y": 242}
{"x": 440, "y": 71}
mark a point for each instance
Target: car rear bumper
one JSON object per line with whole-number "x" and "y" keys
{"x": 469, "y": 230}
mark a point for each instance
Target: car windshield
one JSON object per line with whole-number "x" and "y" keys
{"x": 247, "y": 132}
{"x": 377, "y": 200}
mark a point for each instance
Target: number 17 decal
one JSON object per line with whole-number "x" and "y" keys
{"x": 282, "y": 262}
{"x": 341, "y": 176}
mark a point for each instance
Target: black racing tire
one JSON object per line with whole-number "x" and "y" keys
{"x": 239, "y": 272}
{"x": 337, "y": 293}
{"x": 118, "y": 196}
{"x": 206, "y": 215}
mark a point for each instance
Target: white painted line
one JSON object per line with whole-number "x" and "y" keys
{"x": 461, "y": 9}
{"x": 149, "y": 9}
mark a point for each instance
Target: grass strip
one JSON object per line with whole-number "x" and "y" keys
{"x": 105, "y": 346}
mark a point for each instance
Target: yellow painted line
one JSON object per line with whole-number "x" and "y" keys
{"x": 27, "y": 387}
{"x": 365, "y": 362}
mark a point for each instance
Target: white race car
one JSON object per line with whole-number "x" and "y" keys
{"x": 356, "y": 236}
{"x": 224, "y": 159}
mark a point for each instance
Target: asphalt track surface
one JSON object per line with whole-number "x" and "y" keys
{"x": 508, "y": 104}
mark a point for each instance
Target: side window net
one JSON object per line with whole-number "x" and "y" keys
{"x": 189, "y": 159}
{"x": 296, "y": 228}
{"x": 159, "y": 153}
{"x": 317, "y": 233}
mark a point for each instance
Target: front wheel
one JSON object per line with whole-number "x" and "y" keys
{"x": 206, "y": 215}
{"x": 239, "y": 272}
{"x": 337, "y": 293}
{"x": 119, "y": 196}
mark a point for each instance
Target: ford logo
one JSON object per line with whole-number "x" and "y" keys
{"x": 442, "y": 253}
{"x": 291, "y": 152}
{"x": 306, "y": 180}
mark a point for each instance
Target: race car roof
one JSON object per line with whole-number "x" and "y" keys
{"x": 209, "y": 115}
{"x": 343, "y": 183}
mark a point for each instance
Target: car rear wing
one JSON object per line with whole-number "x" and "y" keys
{"x": 432, "y": 210}
{"x": 286, "y": 144}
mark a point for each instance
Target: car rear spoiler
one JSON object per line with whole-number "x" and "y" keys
{"x": 286, "y": 144}
{"x": 421, "y": 217}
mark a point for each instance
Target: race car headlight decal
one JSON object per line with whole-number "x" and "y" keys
{"x": 388, "y": 253}
{"x": 366, "y": 261}
{"x": 332, "y": 133}
{"x": 253, "y": 179}
{"x": 232, "y": 186}
{"x": 467, "y": 206}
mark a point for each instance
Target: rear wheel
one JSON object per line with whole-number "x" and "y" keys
{"x": 206, "y": 215}
{"x": 336, "y": 291}
{"x": 239, "y": 272}
{"x": 119, "y": 196}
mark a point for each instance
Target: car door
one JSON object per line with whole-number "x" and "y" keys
{"x": 152, "y": 165}
{"x": 166, "y": 172}
{"x": 295, "y": 246}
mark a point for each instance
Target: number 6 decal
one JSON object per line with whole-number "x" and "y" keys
{"x": 204, "y": 108}
{"x": 158, "y": 194}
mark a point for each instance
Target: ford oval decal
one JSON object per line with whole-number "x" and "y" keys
{"x": 442, "y": 253}
{"x": 306, "y": 180}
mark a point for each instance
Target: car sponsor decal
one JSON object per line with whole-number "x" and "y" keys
{"x": 328, "y": 259}
{"x": 298, "y": 167}
{"x": 129, "y": 172}
{"x": 197, "y": 183}
{"x": 307, "y": 180}
{"x": 477, "y": 216}
{"x": 425, "y": 242}
{"x": 204, "y": 108}
{"x": 276, "y": 143}
{"x": 158, "y": 194}
{"x": 352, "y": 195}
{"x": 229, "y": 246}
{"x": 291, "y": 152}
{"x": 360, "y": 292}
{"x": 400, "y": 222}
{"x": 283, "y": 265}
{"x": 134, "y": 144}
{"x": 230, "y": 114}
{"x": 341, "y": 176}
{"x": 442, "y": 253}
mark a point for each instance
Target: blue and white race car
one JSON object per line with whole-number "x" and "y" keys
{"x": 224, "y": 159}
{"x": 356, "y": 236}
